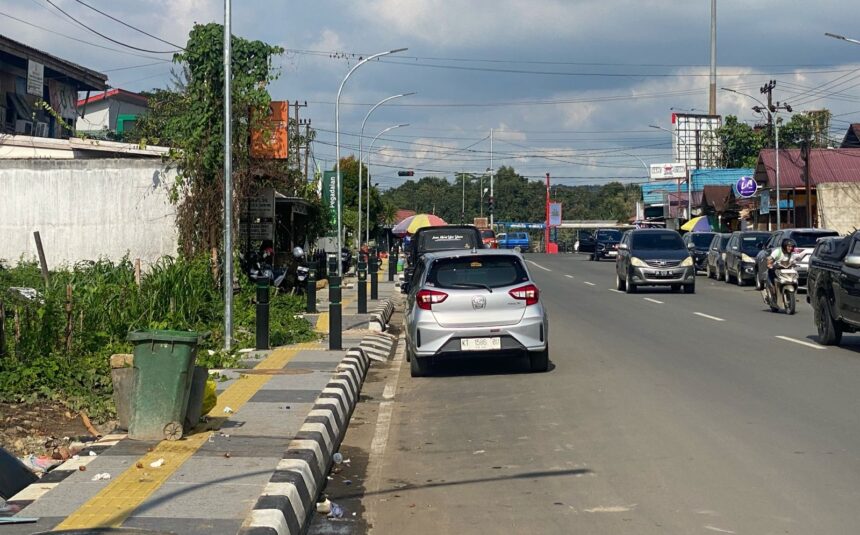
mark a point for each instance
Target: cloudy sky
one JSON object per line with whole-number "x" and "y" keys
{"x": 569, "y": 87}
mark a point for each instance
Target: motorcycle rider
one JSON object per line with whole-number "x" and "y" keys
{"x": 778, "y": 255}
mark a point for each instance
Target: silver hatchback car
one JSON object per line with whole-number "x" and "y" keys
{"x": 479, "y": 302}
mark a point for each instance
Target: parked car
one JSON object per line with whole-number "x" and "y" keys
{"x": 805, "y": 240}
{"x": 654, "y": 257}
{"x": 716, "y": 261}
{"x": 441, "y": 238}
{"x": 834, "y": 287}
{"x": 700, "y": 242}
{"x": 518, "y": 241}
{"x": 474, "y": 303}
{"x": 488, "y": 236}
{"x": 741, "y": 251}
{"x": 606, "y": 242}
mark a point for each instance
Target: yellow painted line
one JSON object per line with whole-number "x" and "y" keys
{"x": 322, "y": 323}
{"x": 126, "y": 492}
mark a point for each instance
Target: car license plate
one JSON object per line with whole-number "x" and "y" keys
{"x": 480, "y": 344}
{"x": 663, "y": 273}
{"x": 612, "y": 253}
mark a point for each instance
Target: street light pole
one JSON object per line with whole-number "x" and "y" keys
{"x": 492, "y": 175}
{"x": 228, "y": 180}
{"x": 335, "y": 310}
{"x": 361, "y": 159}
{"x": 367, "y": 229}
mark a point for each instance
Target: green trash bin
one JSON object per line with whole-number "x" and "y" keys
{"x": 164, "y": 366}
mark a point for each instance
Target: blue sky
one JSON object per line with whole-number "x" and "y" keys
{"x": 570, "y": 87}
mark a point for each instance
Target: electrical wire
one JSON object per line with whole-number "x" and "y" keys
{"x": 103, "y": 36}
{"x": 111, "y": 17}
{"x": 54, "y": 32}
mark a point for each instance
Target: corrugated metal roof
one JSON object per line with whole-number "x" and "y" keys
{"x": 718, "y": 177}
{"x": 825, "y": 165}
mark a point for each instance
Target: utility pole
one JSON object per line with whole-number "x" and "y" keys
{"x": 546, "y": 226}
{"x": 228, "y": 181}
{"x": 712, "y": 101}
{"x": 774, "y": 109}
{"x": 307, "y": 124}
{"x": 805, "y": 147}
{"x": 492, "y": 174}
{"x": 296, "y": 105}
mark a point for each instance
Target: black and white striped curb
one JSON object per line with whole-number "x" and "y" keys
{"x": 378, "y": 347}
{"x": 289, "y": 498}
{"x": 380, "y": 317}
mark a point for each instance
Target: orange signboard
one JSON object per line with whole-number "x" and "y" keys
{"x": 271, "y": 139}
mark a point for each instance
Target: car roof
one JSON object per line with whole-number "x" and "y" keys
{"x": 470, "y": 252}
{"x": 651, "y": 230}
{"x": 446, "y": 227}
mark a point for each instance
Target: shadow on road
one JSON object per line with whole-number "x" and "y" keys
{"x": 454, "y": 367}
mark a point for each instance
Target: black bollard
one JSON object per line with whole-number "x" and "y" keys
{"x": 362, "y": 285}
{"x": 335, "y": 319}
{"x": 392, "y": 266}
{"x": 312, "y": 292}
{"x": 262, "y": 313}
{"x": 374, "y": 276}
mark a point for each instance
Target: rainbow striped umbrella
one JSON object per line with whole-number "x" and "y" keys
{"x": 411, "y": 224}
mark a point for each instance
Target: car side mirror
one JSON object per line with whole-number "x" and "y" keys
{"x": 734, "y": 248}
{"x": 623, "y": 246}
{"x": 852, "y": 261}
{"x": 691, "y": 246}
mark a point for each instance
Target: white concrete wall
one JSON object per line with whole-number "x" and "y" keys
{"x": 97, "y": 117}
{"x": 839, "y": 206}
{"x": 86, "y": 209}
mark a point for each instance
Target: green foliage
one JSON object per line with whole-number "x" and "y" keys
{"x": 516, "y": 198}
{"x": 59, "y": 349}
{"x": 349, "y": 172}
{"x": 742, "y": 142}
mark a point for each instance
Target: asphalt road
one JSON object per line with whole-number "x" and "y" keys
{"x": 663, "y": 413}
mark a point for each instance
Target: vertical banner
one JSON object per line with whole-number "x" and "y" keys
{"x": 554, "y": 214}
{"x": 329, "y": 196}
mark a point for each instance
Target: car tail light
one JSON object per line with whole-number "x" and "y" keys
{"x": 427, "y": 298}
{"x": 529, "y": 293}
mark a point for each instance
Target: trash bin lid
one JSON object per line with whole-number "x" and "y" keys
{"x": 155, "y": 335}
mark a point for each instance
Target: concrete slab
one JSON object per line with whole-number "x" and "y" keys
{"x": 185, "y": 526}
{"x": 269, "y": 419}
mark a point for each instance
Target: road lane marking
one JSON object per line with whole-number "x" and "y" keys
{"x": 589, "y": 283}
{"x": 653, "y": 300}
{"x": 616, "y": 291}
{"x": 569, "y": 276}
{"x": 801, "y": 342}
{"x": 708, "y": 316}
{"x": 535, "y": 264}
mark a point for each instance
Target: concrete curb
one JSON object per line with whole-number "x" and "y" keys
{"x": 381, "y": 315}
{"x": 289, "y": 499}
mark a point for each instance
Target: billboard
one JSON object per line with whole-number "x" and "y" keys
{"x": 696, "y": 142}
{"x": 667, "y": 171}
{"x": 271, "y": 139}
{"x": 554, "y": 214}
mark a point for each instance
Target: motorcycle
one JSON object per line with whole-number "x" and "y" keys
{"x": 781, "y": 294}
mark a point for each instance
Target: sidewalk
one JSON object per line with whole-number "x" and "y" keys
{"x": 210, "y": 481}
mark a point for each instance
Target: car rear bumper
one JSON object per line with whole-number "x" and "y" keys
{"x": 647, "y": 276}
{"x": 429, "y": 339}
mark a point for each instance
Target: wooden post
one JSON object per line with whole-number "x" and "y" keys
{"x": 42, "y": 262}
{"x": 137, "y": 271}
{"x": 69, "y": 320}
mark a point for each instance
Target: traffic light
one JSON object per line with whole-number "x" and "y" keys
{"x": 490, "y": 204}
{"x": 405, "y": 173}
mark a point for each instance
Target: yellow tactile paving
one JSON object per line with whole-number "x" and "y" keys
{"x": 323, "y": 320}
{"x": 118, "y": 500}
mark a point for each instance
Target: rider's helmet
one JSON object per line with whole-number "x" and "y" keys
{"x": 788, "y": 245}
{"x": 298, "y": 252}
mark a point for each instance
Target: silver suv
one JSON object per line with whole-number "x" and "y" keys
{"x": 480, "y": 302}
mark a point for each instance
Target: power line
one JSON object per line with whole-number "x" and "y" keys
{"x": 79, "y": 23}
{"x": 111, "y": 17}
{"x": 54, "y": 32}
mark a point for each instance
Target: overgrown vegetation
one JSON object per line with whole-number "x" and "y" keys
{"x": 58, "y": 349}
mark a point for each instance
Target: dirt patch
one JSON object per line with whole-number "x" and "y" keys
{"x": 39, "y": 428}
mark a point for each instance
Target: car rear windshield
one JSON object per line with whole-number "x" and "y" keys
{"x": 702, "y": 239}
{"x": 609, "y": 235}
{"x": 809, "y": 239}
{"x": 751, "y": 244}
{"x": 446, "y": 240}
{"x": 657, "y": 241}
{"x": 488, "y": 234}
{"x": 494, "y": 271}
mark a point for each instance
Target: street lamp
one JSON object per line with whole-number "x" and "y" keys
{"x": 689, "y": 178}
{"x": 367, "y": 230}
{"x": 361, "y": 161}
{"x": 773, "y": 118}
{"x": 337, "y": 150}
{"x": 842, "y": 38}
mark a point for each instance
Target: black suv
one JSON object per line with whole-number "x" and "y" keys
{"x": 698, "y": 243}
{"x": 834, "y": 287}
{"x": 442, "y": 238}
{"x": 606, "y": 242}
{"x": 654, "y": 257}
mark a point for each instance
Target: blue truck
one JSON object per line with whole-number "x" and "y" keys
{"x": 518, "y": 241}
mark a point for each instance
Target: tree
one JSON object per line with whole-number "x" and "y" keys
{"x": 742, "y": 143}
